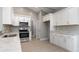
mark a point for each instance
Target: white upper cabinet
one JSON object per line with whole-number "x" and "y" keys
{"x": 7, "y": 15}
{"x": 67, "y": 16}
{"x": 21, "y": 18}
{"x": 15, "y": 21}
{"x": 50, "y": 17}
{"x": 47, "y": 17}
{"x": 25, "y": 19}
{"x": 73, "y": 15}
{"x": 60, "y": 18}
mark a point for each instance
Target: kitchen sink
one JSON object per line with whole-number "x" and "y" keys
{"x": 9, "y": 35}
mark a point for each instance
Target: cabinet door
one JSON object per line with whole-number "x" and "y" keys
{"x": 7, "y": 15}
{"x": 57, "y": 19}
{"x": 56, "y": 39}
{"x": 21, "y": 18}
{"x": 67, "y": 16}
{"x": 62, "y": 41}
{"x": 51, "y": 37}
{"x": 70, "y": 44}
{"x": 47, "y": 17}
{"x": 73, "y": 15}
{"x": 16, "y": 21}
{"x": 1, "y": 19}
{"x": 61, "y": 17}
{"x": 28, "y": 19}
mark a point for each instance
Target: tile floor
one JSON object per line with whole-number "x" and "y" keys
{"x": 40, "y": 46}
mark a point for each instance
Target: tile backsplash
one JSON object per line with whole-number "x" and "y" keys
{"x": 70, "y": 29}
{"x": 7, "y": 28}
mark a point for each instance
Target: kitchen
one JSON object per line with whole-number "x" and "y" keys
{"x": 39, "y": 29}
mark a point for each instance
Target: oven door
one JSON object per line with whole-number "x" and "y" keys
{"x": 23, "y": 35}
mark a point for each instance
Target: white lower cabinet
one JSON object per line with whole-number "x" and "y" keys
{"x": 72, "y": 43}
{"x": 56, "y": 39}
{"x": 67, "y": 42}
{"x": 62, "y": 42}
{"x": 69, "y": 45}
{"x": 52, "y": 38}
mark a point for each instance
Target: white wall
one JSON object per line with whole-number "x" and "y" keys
{"x": 34, "y": 18}
{"x": 41, "y": 28}
{"x": 47, "y": 29}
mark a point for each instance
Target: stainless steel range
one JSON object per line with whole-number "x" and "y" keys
{"x": 25, "y": 27}
{"x": 23, "y": 30}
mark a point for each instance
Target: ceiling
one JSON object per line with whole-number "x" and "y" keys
{"x": 45, "y": 9}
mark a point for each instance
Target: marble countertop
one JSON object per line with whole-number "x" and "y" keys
{"x": 10, "y": 44}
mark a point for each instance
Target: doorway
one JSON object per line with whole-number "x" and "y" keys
{"x": 47, "y": 25}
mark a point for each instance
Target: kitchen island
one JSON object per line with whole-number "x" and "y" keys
{"x": 10, "y": 42}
